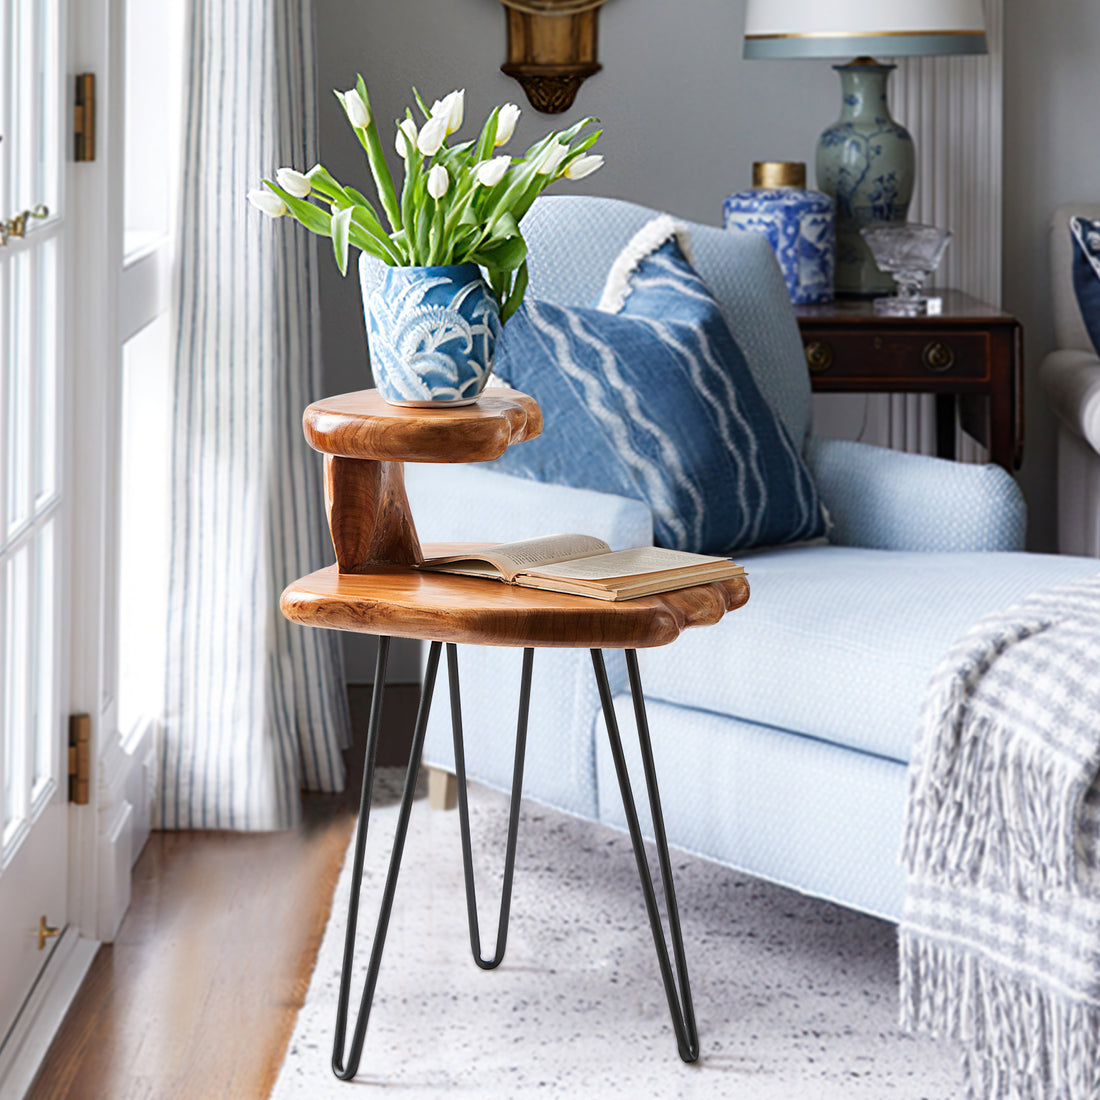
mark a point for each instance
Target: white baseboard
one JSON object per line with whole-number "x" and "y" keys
{"x": 40, "y": 1019}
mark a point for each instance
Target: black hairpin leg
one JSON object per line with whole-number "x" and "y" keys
{"x": 680, "y": 1007}
{"x": 347, "y": 1070}
{"x": 513, "y": 811}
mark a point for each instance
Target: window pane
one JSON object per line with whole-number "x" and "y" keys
{"x": 17, "y": 641}
{"x": 154, "y": 31}
{"x": 47, "y": 368}
{"x": 19, "y": 388}
{"x": 143, "y": 541}
{"x": 45, "y": 699}
{"x": 47, "y": 188}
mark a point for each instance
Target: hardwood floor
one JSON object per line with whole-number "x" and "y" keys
{"x": 198, "y": 995}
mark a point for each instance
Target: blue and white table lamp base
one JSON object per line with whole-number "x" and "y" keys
{"x": 865, "y": 161}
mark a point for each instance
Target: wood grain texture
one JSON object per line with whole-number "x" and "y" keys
{"x": 368, "y": 514}
{"x": 362, "y": 425}
{"x": 405, "y": 603}
{"x": 970, "y": 351}
{"x": 198, "y": 996}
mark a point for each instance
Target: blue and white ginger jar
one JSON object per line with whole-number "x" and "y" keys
{"x": 432, "y": 332}
{"x": 799, "y": 225}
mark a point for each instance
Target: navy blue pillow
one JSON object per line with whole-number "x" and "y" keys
{"x": 1086, "y": 274}
{"x": 656, "y": 402}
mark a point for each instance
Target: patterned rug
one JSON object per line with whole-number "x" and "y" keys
{"x": 796, "y": 999}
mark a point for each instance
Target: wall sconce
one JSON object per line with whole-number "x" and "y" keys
{"x": 551, "y": 49}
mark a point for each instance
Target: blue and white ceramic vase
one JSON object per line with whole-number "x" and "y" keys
{"x": 798, "y": 224}
{"x": 432, "y": 332}
{"x": 867, "y": 163}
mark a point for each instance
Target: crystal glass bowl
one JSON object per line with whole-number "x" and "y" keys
{"x": 910, "y": 253}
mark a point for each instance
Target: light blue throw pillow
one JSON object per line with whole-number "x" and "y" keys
{"x": 649, "y": 396}
{"x": 1086, "y": 274}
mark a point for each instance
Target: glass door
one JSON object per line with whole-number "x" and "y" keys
{"x": 33, "y": 496}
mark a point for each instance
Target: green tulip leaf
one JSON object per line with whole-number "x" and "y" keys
{"x": 515, "y": 295}
{"x": 302, "y": 210}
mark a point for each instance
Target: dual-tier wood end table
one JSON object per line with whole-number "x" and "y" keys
{"x": 375, "y": 588}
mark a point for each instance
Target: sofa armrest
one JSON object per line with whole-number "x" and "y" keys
{"x": 890, "y": 500}
{"x": 1071, "y": 379}
{"x": 460, "y": 503}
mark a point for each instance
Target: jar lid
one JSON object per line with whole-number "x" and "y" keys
{"x": 779, "y": 173}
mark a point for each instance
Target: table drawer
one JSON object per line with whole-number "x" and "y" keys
{"x": 902, "y": 355}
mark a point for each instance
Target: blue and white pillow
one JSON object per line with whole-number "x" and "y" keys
{"x": 1086, "y": 274}
{"x": 649, "y": 396}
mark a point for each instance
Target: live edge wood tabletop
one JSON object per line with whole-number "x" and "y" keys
{"x": 375, "y": 588}
{"x": 968, "y": 348}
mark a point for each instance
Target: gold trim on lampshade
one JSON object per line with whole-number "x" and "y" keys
{"x": 778, "y": 173}
{"x": 862, "y": 34}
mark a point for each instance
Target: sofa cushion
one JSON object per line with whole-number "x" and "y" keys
{"x": 650, "y": 397}
{"x": 1086, "y": 273}
{"x": 839, "y": 642}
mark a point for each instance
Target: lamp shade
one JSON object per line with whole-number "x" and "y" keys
{"x": 845, "y": 28}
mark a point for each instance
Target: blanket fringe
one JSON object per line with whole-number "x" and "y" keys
{"x": 1023, "y": 1042}
{"x": 988, "y": 804}
{"x": 644, "y": 243}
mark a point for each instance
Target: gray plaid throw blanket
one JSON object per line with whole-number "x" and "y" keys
{"x": 1000, "y": 940}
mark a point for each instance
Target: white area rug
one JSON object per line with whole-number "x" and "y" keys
{"x": 795, "y": 999}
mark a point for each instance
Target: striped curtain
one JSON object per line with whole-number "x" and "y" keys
{"x": 254, "y": 707}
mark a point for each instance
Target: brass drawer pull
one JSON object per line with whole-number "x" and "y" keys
{"x": 819, "y": 356}
{"x": 938, "y": 356}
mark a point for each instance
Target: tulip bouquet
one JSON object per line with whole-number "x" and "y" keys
{"x": 457, "y": 204}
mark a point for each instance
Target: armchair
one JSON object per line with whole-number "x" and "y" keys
{"x": 1071, "y": 377}
{"x": 782, "y": 734}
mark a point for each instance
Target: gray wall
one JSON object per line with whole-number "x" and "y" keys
{"x": 685, "y": 117}
{"x": 1052, "y": 93}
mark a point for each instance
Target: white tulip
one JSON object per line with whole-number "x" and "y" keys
{"x": 490, "y": 172}
{"x": 584, "y": 166}
{"x": 406, "y": 138}
{"x": 356, "y": 109}
{"x": 432, "y": 135}
{"x": 506, "y": 122}
{"x": 452, "y": 108}
{"x": 268, "y": 202}
{"x": 293, "y": 183}
{"x": 438, "y": 182}
{"x": 549, "y": 160}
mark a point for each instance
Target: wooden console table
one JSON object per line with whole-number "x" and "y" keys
{"x": 375, "y": 588}
{"x": 969, "y": 348}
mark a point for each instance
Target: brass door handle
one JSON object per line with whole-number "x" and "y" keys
{"x": 45, "y": 932}
{"x": 16, "y": 226}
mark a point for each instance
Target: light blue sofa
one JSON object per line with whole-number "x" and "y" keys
{"x": 781, "y": 735}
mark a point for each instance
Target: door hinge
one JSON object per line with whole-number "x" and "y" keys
{"x": 84, "y": 118}
{"x": 80, "y": 758}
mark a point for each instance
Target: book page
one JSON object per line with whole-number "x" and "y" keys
{"x": 640, "y": 561}
{"x": 511, "y": 558}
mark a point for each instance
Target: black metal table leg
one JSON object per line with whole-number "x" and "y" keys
{"x": 680, "y": 1007}
{"x": 513, "y": 810}
{"x": 347, "y": 1070}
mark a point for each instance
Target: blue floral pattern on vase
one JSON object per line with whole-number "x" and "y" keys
{"x": 866, "y": 162}
{"x": 432, "y": 332}
{"x": 799, "y": 226}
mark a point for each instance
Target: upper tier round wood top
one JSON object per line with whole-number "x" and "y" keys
{"x": 405, "y": 603}
{"x": 363, "y": 425}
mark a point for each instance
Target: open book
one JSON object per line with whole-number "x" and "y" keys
{"x": 586, "y": 566}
